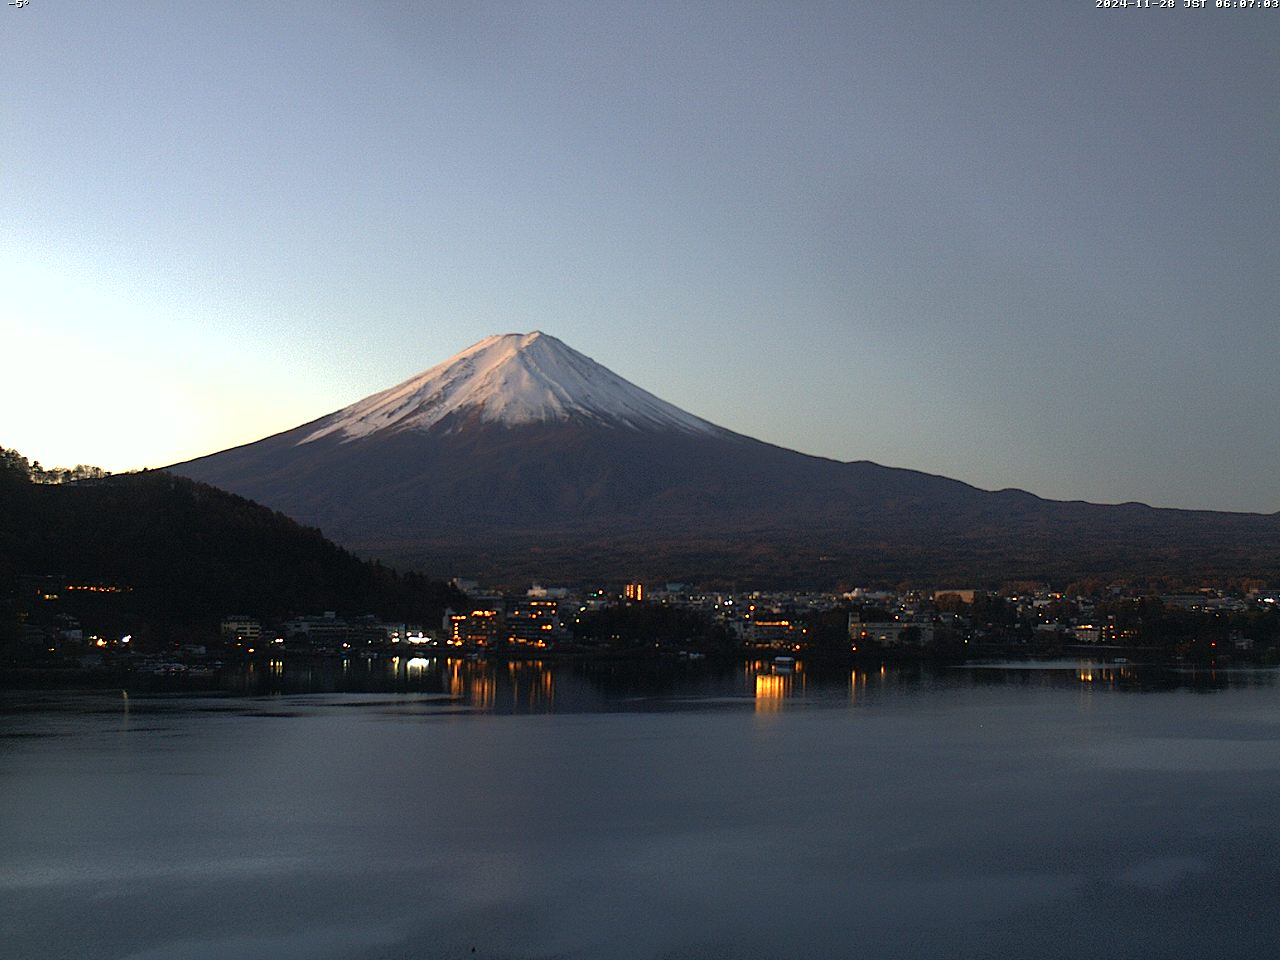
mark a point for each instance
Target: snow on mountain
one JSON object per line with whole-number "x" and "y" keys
{"x": 512, "y": 379}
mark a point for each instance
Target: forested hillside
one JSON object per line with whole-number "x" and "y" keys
{"x": 181, "y": 555}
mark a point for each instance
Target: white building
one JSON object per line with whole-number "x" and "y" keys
{"x": 889, "y": 633}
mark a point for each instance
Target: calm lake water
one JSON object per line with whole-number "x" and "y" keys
{"x": 438, "y": 809}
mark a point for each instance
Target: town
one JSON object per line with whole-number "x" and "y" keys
{"x": 1086, "y": 618}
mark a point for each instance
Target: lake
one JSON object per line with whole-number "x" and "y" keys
{"x": 449, "y": 809}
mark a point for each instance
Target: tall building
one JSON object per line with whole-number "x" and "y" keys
{"x": 534, "y": 622}
{"x": 634, "y": 591}
{"x": 238, "y": 629}
{"x": 481, "y": 627}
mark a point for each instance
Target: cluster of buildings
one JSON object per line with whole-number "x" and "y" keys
{"x": 781, "y": 623}
{"x": 539, "y": 619}
{"x": 786, "y": 622}
{"x": 44, "y": 623}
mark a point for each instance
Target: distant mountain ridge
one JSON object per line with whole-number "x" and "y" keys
{"x": 522, "y": 458}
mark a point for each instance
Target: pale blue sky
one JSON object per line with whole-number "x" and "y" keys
{"x": 1020, "y": 244}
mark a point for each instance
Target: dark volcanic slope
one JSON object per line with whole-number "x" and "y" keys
{"x": 577, "y": 501}
{"x": 522, "y": 458}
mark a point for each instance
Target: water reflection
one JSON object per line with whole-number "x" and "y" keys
{"x": 775, "y": 682}
{"x": 1089, "y": 671}
{"x": 857, "y": 679}
{"x": 766, "y": 685}
{"x": 483, "y": 690}
{"x": 771, "y": 690}
{"x": 532, "y": 684}
{"x": 730, "y": 785}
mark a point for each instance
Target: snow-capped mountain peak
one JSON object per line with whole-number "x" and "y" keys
{"x": 511, "y": 379}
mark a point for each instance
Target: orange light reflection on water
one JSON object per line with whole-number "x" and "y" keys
{"x": 771, "y": 691}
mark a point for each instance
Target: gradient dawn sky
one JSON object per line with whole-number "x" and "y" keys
{"x": 1021, "y": 244}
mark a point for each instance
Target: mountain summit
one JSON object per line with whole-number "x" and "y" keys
{"x": 521, "y": 458}
{"x": 513, "y": 379}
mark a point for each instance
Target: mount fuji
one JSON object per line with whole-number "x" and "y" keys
{"x": 513, "y": 380}
{"x": 521, "y": 458}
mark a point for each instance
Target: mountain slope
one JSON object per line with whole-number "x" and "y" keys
{"x": 522, "y": 458}
{"x": 191, "y": 554}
